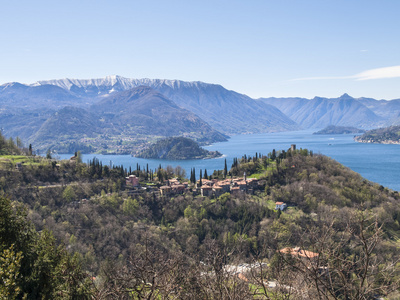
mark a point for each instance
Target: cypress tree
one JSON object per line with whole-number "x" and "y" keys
{"x": 200, "y": 177}
{"x": 225, "y": 169}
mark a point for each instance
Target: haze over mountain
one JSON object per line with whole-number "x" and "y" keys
{"x": 221, "y": 108}
{"x": 320, "y": 112}
{"x": 117, "y": 113}
{"x": 119, "y": 120}
{"x": 36, "y": 96}
{"x": 66, "y": 130}
{"x": 143, "y": 110}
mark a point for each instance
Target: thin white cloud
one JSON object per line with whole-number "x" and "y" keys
{"x": 379, "y": 73}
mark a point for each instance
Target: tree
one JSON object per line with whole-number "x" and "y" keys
{"x": 69, "y": 194}
{"x": 343, "y": 264}
{"x": 193, "y": 176}
{"x": 149, "y": 273}
{"x": 31, "y": 264}
{"x": 225, "y": 169}
{"x": 19, "y": 142}
{"x": 130, "y": 206}
{"x": 48, "y": 154}
{"x": 273, "y": 155}
{"x": 10, "y": 264}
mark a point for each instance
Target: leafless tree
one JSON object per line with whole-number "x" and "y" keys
{"x": 341, "y": 264}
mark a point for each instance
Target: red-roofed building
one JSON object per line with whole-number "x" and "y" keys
{"x": 178, "y": 188}
{"x": 280, "y": 205}
{"x": 217, "y": 190}
{"x": 206, "y": 190}
{"x": 132, "y": 180}
{"x": 165, "y": 190}
{"x": 298, "y": 252}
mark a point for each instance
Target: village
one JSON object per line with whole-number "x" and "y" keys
{"x": 203, "y": 187}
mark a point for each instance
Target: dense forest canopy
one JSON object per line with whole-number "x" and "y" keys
{"x": 116, "y": 241}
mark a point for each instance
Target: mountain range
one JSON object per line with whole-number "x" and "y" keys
{"x": 321, "y": 112}
{"x": 221, "y": 108}
{"x": 121, "y": 115}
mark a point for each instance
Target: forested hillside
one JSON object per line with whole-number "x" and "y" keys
{"x": 133, "y": 242}
{"x": 177, "y": 148}
{"x": 331, "y": 129}
{"x": 386, "y": 135}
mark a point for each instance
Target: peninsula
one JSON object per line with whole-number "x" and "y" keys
{"x": 387, "y": 135}
{"x": 177, "y": 148}
{"x": 331, "y": 129}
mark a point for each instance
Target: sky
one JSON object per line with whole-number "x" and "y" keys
{"x": 284, "y": 48}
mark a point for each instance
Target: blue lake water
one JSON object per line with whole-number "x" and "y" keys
{"x": 376, "y": 162}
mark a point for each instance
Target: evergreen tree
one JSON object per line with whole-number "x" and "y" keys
{"x": 31, "y": 265}
{"x": 200, "y": 183}
{"x": 192, "y": 176}
{"x": 225, "y": 169}
{"x": 205, "y": 174}
{"x": 48, "y": 154}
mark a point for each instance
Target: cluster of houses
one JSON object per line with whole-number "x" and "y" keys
{"x": 207, "y": 188}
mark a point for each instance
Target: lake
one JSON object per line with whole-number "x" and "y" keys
{"x": 375, "y": 162}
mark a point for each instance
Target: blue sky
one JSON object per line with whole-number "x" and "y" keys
{"x": 259, "y": 48}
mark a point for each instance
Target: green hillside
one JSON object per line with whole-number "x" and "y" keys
{"x": 387, "y": 135}
{"x": 339, "y": 130}
{"x": 135, "y": 243}
{"x": 177, "y": 148}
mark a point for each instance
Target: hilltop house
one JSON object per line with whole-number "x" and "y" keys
{"x": 173, "y": 187}
{"x": 132, "y": 180}
{"x": 206, "y": 190}
{"x": 280, "y": 205}
{"x": 300, "y": 253}
{"x": 165, "y": 190}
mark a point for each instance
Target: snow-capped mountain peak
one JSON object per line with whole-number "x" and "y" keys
{"x": 114, "y": 83}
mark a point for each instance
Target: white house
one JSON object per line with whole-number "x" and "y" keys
{"x": 280, "y": 205}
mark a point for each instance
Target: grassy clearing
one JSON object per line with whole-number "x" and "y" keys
{"x": 265, "y": 171}
{"x": 271, "y": 204}
{"x": 12, "y": 160}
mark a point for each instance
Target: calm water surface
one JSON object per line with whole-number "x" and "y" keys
{"x": 375, "y": 162}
